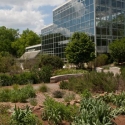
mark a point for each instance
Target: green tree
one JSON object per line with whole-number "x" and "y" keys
{"x": 117, "y": 50}
{"x": 7, "y": 37}
{"x": 27, "y": 38}
{"x": 54, "y": 61}
{"x": 80, "y": 49}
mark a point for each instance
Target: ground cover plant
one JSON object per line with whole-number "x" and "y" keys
{"x": 17, "y": 95}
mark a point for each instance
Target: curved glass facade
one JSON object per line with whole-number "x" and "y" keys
{"x": 102, "y": 20}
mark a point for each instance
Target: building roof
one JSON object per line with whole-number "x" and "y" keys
{"x": 62, "y": 5}
{"x": 29, "y": 55}
{"x": 33, "y": 46}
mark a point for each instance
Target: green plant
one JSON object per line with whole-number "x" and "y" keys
{"x": 63, "y": 85}
{"x": 33, "y": 101}
{"x": 101, "y": 60}
{"x": 5, "y": 95}
{"x": 58, "y": 94}
{"x": 69, "y": 97}
{"x": 15, "y": 86}
{"x": 4, "y": 115}
{"x": 54, "y": 61}
{"x": 119, "y": 100}
{"x": 43, "y": 88}
{"x": 93, "y": 112}
{"x": 23, "y": 117}
{"x": 17, "y": 95}
{"x": 86, "y": 93}
{"x": 45, "y": 73}
{"x": 56, "y": 112}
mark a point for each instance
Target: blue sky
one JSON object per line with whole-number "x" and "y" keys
{"x": 23, "y": 14}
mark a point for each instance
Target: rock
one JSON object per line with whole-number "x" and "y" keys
{"x": 72, "y": 102}
{"x": 22, "y": 107}
{"x": 36, "y": 108}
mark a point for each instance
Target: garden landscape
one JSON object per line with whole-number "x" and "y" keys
{"x": 92, "y": 97}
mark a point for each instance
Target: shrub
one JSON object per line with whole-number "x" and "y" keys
{"x": 15, "y": 86}
{"x": 33, "y": 101}
{"x": 58, "y": 94}
{"x": 63, "y": 85}
{"x": 17, "y": 95}
{"x": 54, "y": 61}
{"x": 69, "y": 97}
{"x": 5, "y": 80}
{"x": 45, "y": 73}
{"x": 94, "y": 81}
{"x": 23, "y": 117}
{"x": 101, "y": 60}
{"x": 56, "y": 112}
{"x": 43, "y": 88}
{"x": 4, "y": 95}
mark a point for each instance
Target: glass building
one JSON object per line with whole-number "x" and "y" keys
{"x": 102, "y": 20}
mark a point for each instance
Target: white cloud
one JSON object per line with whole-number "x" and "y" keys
{"x": 24, "y": 14}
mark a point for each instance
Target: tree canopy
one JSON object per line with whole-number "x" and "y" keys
{"x": 80, "y": 49}
{"x": 117, "y": 50}
{"x": 7, "y": 37}
{"x": 27, "y": 38}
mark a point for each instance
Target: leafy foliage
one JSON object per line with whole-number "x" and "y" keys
{"x": 117, "y": 50}
{"x": 80, "y": 49}
{"x": 17, "y": 95}
{"x": 58, "y": 94}
{"x": 93, "y": 112}
{"x": 56, "y": 112}
{"x": 23, "y": 117}
{"x": 27, "y": 38}
{"x": 48, "y": 60}
{"x": 93, "y": 81}
{"x": 43, "y": 88}
{"x": 7, "y": 37}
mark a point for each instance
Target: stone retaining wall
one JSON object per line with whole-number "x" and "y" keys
{"x": 58, "y": 78}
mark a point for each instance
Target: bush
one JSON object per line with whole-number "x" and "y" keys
{"x": 45, "y": 73}
{"x": 69, "y": 97}
{"x": 33, "y": 101}
{"x": 56, "y": 112}
{"x": 63, "y": 85}
{"x": 54, "y": 61}
{"x": 5, "y": 80}
{"x": 94, "y": 81}
{"x": 17, "y": 95}
{"x": 23, "y": 117}
{"x": 43, "y": 88}
{"x": 101, "y": 60}
{"x": 5, "y": 95}
{"x": 58, "y": 94}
